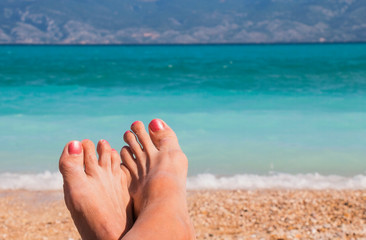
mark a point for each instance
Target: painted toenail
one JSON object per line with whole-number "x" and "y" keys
{"x": 134, "y": 123}
{"x": 156, "y": 125}
{"x": 75, "y": 147}
{"x": 103, "y": 141}
{"x": 128, "y": 131}
{"x": 114, "y": 150}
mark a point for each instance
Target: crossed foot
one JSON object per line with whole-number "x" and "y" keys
{"x": 142, "y": 198}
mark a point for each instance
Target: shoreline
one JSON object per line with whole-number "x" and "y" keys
{"x": 216, "y": 214}
{"x": 44, "y": 181}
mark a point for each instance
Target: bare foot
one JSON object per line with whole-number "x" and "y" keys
{"x": 96, "y": 191}
{"x": 158, "y": 172}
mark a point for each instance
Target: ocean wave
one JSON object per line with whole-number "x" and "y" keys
{"x": 38, "y": 181}
{"x": 314, "y": 181}
{"x": 277, "y": 181}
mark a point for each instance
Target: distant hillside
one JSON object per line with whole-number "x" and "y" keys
{"x": 181, "y": 21}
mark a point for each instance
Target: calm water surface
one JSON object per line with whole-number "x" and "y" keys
{"x": 250, "y": 109}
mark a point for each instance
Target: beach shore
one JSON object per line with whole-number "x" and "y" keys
{"x": 221, "y": 214}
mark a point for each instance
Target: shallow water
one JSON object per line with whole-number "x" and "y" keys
{"x": 250, "y": 109}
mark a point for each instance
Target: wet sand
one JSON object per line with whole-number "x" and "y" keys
{"x": 240, "y": 214}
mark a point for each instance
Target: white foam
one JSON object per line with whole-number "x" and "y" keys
{"x": 277, "y": 181}
{"x": 38, "y": 181}
{"x": 53, "y": 181}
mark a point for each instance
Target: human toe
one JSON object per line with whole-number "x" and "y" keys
{"x": 128, "y": 161}
{"x": 72, "y": 160}
{"x": 104, "y": 152}
{"x": 134, "y": 145}
{"x": 163, "y": 136}
{"x": 116, "y": 160}
{"x": 90, "y": 157}
{"x": 139, "y": 129}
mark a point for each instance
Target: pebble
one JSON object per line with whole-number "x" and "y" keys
{"x": 226, "y": 215}
{"x": 280, "y": 214}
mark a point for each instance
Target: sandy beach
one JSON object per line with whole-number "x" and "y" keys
{"x": 240, "y": 214}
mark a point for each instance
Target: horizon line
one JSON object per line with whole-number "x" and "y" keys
{"x": 179, "y": 44}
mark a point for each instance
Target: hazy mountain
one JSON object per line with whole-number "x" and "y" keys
{"x": 181, "y": 21}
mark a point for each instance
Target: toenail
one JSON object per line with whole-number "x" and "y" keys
{"x": 134, "y": 123}
{"x": 114, "y": 150}
{"x": 103, "y": 141}
{"x": 128, "y": 131}
{"x": 75, "y": 147}
{"x": 156, "y": 125}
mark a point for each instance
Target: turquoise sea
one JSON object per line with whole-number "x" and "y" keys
{"x": 246, "y": 115}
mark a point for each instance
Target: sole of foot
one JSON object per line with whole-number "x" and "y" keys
{"x": 157, "y": 174}
{"x": 96, "y": 190}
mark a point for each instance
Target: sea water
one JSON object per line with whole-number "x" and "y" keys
{"x": 247, "y": 116}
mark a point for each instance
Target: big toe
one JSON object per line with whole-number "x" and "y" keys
{"x": 163, "y": 136}
{"x": 72, "y": 160}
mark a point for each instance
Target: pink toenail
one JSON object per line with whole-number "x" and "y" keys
{"x": 128, "y": 131}
{"x": 75, "y": 147}
{"x": 103, "y": 141}
{"x": 114, "y": 150}
{"x": 156, "y": 125}
{"x": 134, "y": 123}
